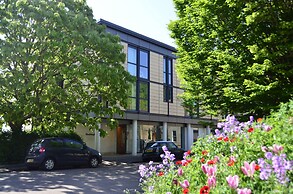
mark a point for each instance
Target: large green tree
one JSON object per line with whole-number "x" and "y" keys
{"x": 235, "y": 56}
{"x": 58, "y": 67}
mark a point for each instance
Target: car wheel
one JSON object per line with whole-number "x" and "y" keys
{"x": 94, "y": 162}
{"x": 49, "y": 164}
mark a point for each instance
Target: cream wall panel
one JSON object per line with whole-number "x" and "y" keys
{"x": 154, "y": 98}
{"x": 87, "y": 136}
{"x": 162, "y": 105}
{"x": 108, "y": 143}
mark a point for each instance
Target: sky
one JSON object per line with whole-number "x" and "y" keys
{"x": 147, "y": 17}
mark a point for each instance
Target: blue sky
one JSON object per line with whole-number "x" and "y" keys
{"x": 147, "y": 17}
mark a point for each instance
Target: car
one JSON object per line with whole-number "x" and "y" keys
{"x": 48, "y": 153}
{"x": 153, "y": 150}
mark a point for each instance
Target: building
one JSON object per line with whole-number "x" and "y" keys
{"x": 154, "y": 111}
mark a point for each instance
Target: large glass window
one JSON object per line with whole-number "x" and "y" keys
{"x": 138, "y": 66}
{"x": 168, "y": 81}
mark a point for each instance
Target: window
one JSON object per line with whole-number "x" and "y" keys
{"x": 132, "y": 62}
{"x": 138, "y": 66}
{"x": 143, "y": 96}
{"x": 168, "y": 81}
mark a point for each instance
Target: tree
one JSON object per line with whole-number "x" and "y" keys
{"x": 235, "y": 56}
{"x": 58, "y": 67}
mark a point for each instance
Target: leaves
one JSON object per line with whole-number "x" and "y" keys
{"x": 235, "y": 56}
{"x": 55, "y": 63}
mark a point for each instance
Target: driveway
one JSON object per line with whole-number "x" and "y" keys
{"x": 107, "y": 178}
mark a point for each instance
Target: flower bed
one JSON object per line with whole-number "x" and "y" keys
{"x": 241, "y": 157}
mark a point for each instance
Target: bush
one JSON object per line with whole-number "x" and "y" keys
{"x": 242, "y": 157}
{"x": 13, "y": 149}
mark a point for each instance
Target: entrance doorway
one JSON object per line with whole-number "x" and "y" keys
{"x": 121, "y": 139}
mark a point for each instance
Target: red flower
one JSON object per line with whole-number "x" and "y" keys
{"x": 257, "y": 167}
{"x": 204, "y": 152}
{"x": 220, "y": 138}
{"x": 202, "y": 160}
{"x": 204, "y": 190}
{"x": 226, "y": 139}
{"x": 179, "y": 162}
{"x": 185, "y": 191}
{"x": 211, "y": 162}
{"x": 161, "y": 173}
{"x": 189, "y": 160}
{"x": 250, "y": 130}
{"x": 259, "y": 120}
{"x": 231, "y": 163}
{"x": 188, "y": 152}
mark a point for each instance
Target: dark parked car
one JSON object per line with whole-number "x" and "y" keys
{"x": 153, "y": 150}
{"x": 48, "y": 153}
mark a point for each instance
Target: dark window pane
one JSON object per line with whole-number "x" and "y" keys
{"x": 143, "y": 73}
{"x": 131, "y": 55}
{"x": 131, "y": 69}
{"x": 143, "y": 59}
{"x": 143, "y": 93}
{"x": 131, "y": 104}
{"x": 143, "y": 105}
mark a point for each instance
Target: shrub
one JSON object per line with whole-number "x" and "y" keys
{"x": 13, "y": 149}
{"x": 242, "y": 157}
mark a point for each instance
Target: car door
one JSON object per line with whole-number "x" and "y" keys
{"x": 76, "y": 152}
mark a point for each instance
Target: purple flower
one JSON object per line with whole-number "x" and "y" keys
{"x": 233, "y": 181}
{"x": 269, "y": 155}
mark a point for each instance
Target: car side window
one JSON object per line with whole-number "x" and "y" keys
{"x": 171, "y": 146}
{"x": 73, "y": 144}
{"x": 55, "y": 143}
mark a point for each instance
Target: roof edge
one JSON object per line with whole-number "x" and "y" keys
{"x": 135, "y": 34}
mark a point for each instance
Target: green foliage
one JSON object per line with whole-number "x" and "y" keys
{"x": 58, "y": 67}
{"x": 233, "y": 144}
{"x": 235, "y": 57}
{"x": 14, "y": 148}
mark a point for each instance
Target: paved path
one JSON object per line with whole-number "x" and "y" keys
{"x": 107, "y": 178}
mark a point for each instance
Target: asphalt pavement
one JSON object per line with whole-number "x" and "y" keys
{"x": 112, "y": 159}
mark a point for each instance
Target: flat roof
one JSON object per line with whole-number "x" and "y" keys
{"x": 137, "y": 35}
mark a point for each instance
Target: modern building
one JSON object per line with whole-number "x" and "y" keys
{"x": 154, "y": 110}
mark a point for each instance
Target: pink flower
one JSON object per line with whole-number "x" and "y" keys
{"x": 233, "y": 181}
{"x": 212, "y": 181}
{"x": 277, "y": 148}
{"x": 209, "y": 170}
{"x": 243, "y": 191}
{"x": 185, "y": 184}
{"x": 267, "y": 128}
{"x": 248, "y": 169}
{"x": 264, "y": 149}
{"x": 180, "y": 172}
